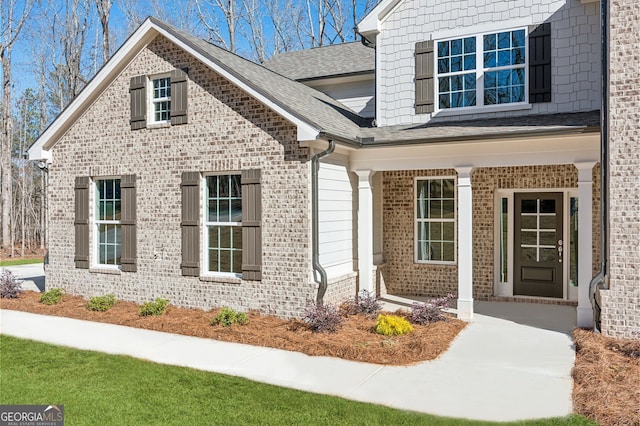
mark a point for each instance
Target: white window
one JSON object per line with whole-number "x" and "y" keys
{"x": 108, "y": 241}
{"x": 223, "y": 224}
{"x": 482, "y": 70}
{"x": 435, "y": 215}
{"x": 160, "y": 110}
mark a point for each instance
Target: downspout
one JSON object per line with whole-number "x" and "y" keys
{"x": 315, "y": 214}
{"x": 367, "y": 43}
{"x": 601, "y": 279}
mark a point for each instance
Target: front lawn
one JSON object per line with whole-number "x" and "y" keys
{"x": 105, "y": 389}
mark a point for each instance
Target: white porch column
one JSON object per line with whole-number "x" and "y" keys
{"x": 465, "y": 244}
{"x": 585, "y": 237}
{"x": 365, "y": 230}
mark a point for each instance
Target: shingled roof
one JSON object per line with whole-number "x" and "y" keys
{"x": 336, "y": 60}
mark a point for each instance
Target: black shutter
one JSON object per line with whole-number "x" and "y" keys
{"x": 128, "y": 222}
{"x": 138, "y": 94}
{"x": 190, "y": 224}
{"x": 540, "y": 64}
{"x": 251, "y": 225}
{"x": 178, "y": 97}
{"x": 424, "y": 77}
{"x": 81, "y": 222}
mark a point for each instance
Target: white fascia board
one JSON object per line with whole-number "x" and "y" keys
{"x": 371, "y": 24}
{"x": 569, "y": 149}
{"x": 306, "y": 131}
{"x": 40, "y": 150}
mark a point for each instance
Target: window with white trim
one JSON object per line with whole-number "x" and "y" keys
{"x": 223, "y": 224}
{"x": 160, "y": 100}
{"x": 482, "y": 70}
{"x": 108, "y": 241}
{"x": 435, "y": 220}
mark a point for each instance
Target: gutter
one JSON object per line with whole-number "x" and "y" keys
{"x": 601, "y": 279}
{"x": 315, "y": 213}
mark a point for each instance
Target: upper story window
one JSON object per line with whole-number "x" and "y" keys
{"x": 108, "y": 241}
{"x": 161, "y": 100}
{"x": 482, "y": 70}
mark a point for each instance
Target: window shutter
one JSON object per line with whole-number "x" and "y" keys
{"x": 190, "y": 224}
{"x": 540, "y": 64}
{"x": 128, "y": 221}
{"x": 81, "y": 221}
{"x": 138, "y": 93}
{"x": 251, "y": 225}
{"x": 424, "y": 77}
{"x": 178, "y": 97}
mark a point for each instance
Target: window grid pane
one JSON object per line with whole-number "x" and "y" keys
{"x": 435, "y": 200}
{"x": 223, "y": 218}
{"x": 161, "y": 99}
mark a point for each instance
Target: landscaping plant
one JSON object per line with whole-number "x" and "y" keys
{"x": 364, "y": 303}
{"x": 101, "y": 303}
{"x": 228, "y": 317}
{"x": 393, "y": 325}
{"x": 155, "y": 308}
{"x": 322, "y": 318}
{"x": 10, "y": 287}
{"x": 430, "y": 311}
{"x": 52, "y": 296}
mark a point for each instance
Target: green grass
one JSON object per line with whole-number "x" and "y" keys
{"x": 96, "y": 388}
{"x": 16, "y": 262}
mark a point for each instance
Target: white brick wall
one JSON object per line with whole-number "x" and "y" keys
{"x": 575, "y": 43}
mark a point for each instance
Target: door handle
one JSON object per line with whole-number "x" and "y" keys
{"x": 560, "y": 248}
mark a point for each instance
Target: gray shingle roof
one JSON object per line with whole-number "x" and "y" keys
{"x": 448, "y": 131}
{"x": 309, "y": 105}
{"x": 327, "y": 61}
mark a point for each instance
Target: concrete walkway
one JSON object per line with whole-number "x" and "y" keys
{"x": 496, "y": 369}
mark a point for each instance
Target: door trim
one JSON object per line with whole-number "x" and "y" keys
{"x": 504, "y": 288}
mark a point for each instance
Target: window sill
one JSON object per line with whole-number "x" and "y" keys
{"x": 480, "y": 110}
{"x": 220, "y": 279}
{"x": 105, "y": 270}
{"x": 161, "y": 125}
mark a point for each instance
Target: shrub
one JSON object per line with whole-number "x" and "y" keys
{"x": 52, "y": 296}
{"x": 10, "y": 287}
{"x": 364, "y": 303}
{"x": 392, "y": 325}
{"x": 322, "y": 318}
{"x": 155, "y": 308}
{"x": 228, "y": 317}
{"x": 430, "y": 311}
{"x": 101, "y": 303}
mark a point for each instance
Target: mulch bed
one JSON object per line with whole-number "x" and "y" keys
{"x": 606, "y": 379}
{"x": 355, "y": 340}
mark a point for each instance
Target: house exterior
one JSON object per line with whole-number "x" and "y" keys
{"x": 456, "y": 150}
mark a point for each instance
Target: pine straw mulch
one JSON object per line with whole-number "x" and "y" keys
{"x": 606, "y": 379}
{"x": 355, "y": 340}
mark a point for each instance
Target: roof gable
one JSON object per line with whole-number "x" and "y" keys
{"x": 312, "y": 112}
{"x": 370, "y": 24}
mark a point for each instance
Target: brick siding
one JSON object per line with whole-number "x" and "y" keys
{"x": 228, "y": 131}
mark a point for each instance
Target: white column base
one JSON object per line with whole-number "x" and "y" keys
{"x": 585, "y": 317}
{"x": 465, "y": 309}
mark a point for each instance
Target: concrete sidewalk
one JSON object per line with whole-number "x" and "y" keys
{"x": 496, "y": 369}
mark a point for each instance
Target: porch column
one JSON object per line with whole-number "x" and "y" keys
{"x": 465, "y": 244}
{"x": 585, "y": 239}
{"x": 365, "y": 230}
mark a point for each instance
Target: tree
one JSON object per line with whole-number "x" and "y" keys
{"x": 13, "y": 16}
{"x": 104, "y": 9}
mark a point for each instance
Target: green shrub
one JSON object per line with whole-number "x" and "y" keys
{"x": 52, "y": 296}
{"x": 101, "y": 303}
{"x": 392, "y": 325}
{"x": 228, "y": 317}
{"x": 155, "y": 308}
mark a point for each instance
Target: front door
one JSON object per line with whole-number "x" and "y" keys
{"x": 538, "y": 245}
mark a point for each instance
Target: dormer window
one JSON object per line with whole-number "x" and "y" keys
{"x": 482, "y": 70}
{"x": 161, "y": 100}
